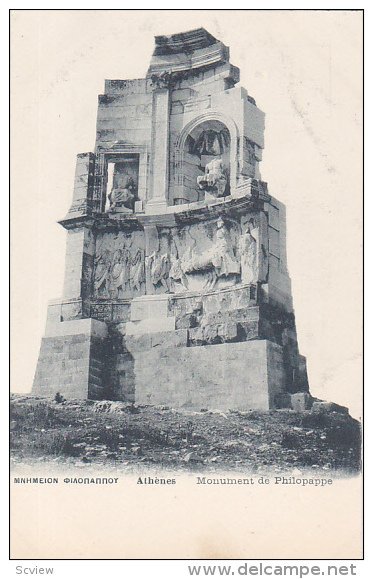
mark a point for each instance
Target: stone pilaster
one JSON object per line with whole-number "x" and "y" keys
{"x": 80, "y": 248}
{"x": 157, "y": 202}
{"x": 83, "y": 186}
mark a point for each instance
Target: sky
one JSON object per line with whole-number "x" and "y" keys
{"x": 304, "y": 70}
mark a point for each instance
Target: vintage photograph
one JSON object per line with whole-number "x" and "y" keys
{"x": 206, "y": 314}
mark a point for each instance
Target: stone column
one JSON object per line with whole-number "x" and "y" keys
{"x": 157, "y": 203}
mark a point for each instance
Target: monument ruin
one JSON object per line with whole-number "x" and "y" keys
{"x": 176, "y": 288}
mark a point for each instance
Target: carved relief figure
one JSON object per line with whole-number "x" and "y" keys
{"x": 119, "y": 266}
{"x": 249, "y": 157}
{"x": 225, "y": 260}
{"x": 195, "y": 258}
{"x": 101, "y": 275}
{"x": 216, "y": 262}
{"x": 120, "y": 272}
{"x": 159, "y": 267}
{"x": 176, "y": 271}
{"x": 215, "y": 178}
{"x": 159, "y": 264}
{"x": 248, "y": 251}
{"x": 138, "y": 271}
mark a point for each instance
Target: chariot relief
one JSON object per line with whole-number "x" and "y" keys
{"x": 205, "y": 256}
{"x": 217, "y": 261}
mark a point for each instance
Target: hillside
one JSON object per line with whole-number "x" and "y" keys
{"x": 122, "y": 435}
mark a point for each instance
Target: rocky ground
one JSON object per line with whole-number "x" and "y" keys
{"x": 117, "y": 434}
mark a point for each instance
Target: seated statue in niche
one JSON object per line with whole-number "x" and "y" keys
{"x": 215, "y": 178}
{"x": 123, "y": 193}
{"x": 123, "y": 196}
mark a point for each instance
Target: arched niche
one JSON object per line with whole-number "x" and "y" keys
{"x": 209, "y": 136}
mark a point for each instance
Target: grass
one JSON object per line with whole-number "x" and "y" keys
{"x": 75, "y": 430}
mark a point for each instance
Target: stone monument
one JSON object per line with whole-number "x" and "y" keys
{"x": 176, "y": 288}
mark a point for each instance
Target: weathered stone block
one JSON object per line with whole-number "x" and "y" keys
{"x": 322, "y": 407}
{"x": 151, "y": 325}
{"x": 87, "y": 326}
{"x": 282, "y": 400}
{"x": 68, "y": 361}
{"x": 301, "y": 401}
{"x": 248, "y": 330}
{"x": 174, "y": 339}
{"x": 150, "y": 306}
{"x": 228, "y": 332}
{"x": 213, "y": 376}
{"x": 197, "y": 336}
{"x": 186, "y": 321}
{"x": 301, "y": 375}
{"x": 137, "y": 342}
{"x": 214, "y": 333}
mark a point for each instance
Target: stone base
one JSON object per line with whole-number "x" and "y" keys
{"x": 72, "y": 360}
{"x": 156, "y": 206}
{"x": 149, "y": 314}
{"x": 239, "y": 376}
{"x": 151, "y": 325}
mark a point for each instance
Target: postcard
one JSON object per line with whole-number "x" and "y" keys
{"x": 186, "y": 284}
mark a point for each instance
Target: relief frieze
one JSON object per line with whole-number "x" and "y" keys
{"x": 119, "y": 265}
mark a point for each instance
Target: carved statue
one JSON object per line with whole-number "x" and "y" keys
{"x": 123, "y": 194}
{"x": 215, "y": 178}
{"x": 248, "y": 252}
